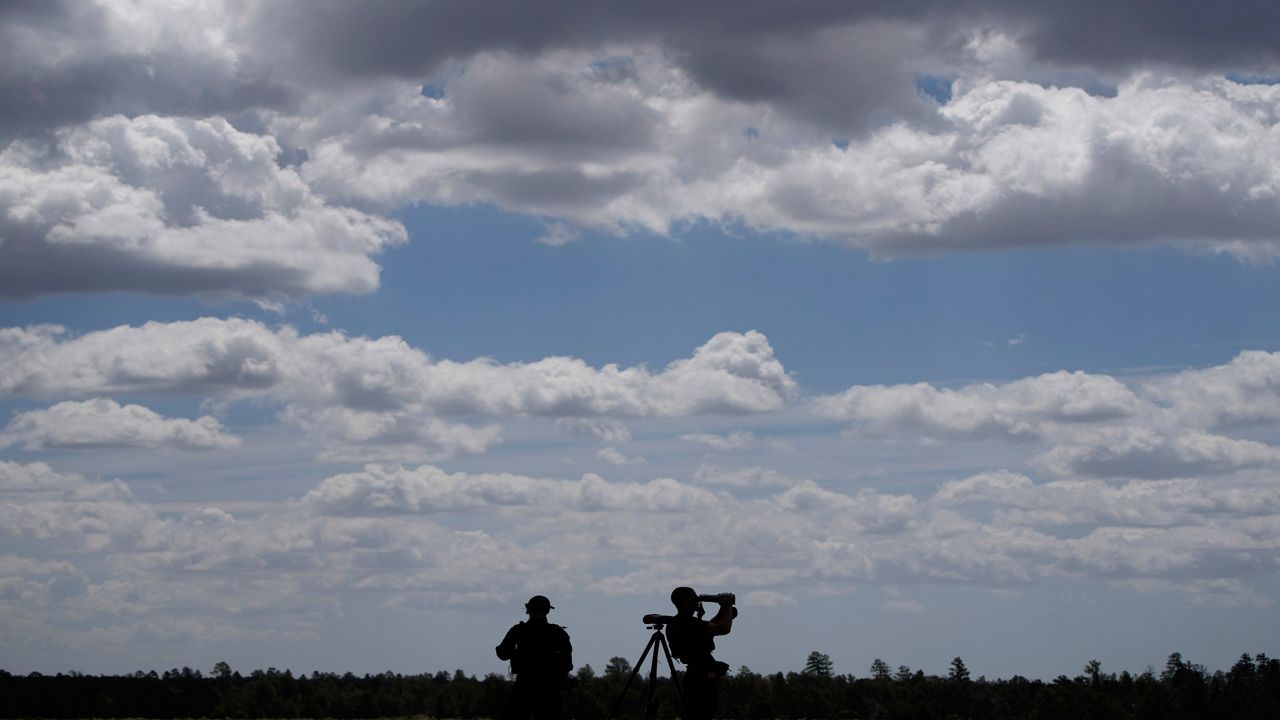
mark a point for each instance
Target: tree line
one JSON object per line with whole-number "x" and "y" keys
{"x": 1249, "y": 689}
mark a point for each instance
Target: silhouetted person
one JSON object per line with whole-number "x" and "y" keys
{"x": 541, "y": 658}
{"x": 691, "y": 640}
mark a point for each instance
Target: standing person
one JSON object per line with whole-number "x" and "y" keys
{"x": 541, "y": 658}
{"x": 692, "y": 640}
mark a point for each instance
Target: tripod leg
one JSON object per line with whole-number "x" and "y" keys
{"x": 675, "y": 678}
{"x": 650, "y": 708}
{"x": 635, "y": 671}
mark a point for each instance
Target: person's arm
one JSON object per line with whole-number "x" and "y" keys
{"x": 507, "y": 649}
{"x": 722, "y": 623}
{"x": 567, "y": 653}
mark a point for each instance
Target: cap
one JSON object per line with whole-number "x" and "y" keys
{"x": 539, "y": 601}
{"x": 682, "y": 594}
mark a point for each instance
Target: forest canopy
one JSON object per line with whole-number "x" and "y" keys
{"x": 1249, "y": 689}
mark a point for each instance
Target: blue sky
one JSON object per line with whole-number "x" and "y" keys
{"x": 928, "y": 334}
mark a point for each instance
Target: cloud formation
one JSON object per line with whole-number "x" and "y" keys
{"x": 381, "y": 397}
{"x": 175, "y": 206}
{"x": 1022, "y": 408}
{"x": 145, "y": 155}
{"x": 388, "y": 529}
{"x": 1096, "y": 425}
{"x": 105, "y": 423}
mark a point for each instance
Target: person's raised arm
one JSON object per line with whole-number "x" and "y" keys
{"x": 722, "y": 622}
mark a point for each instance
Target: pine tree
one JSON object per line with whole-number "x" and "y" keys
{"x": 818, "y": 664}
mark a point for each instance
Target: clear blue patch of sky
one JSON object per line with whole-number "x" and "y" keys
{"x": 471, "y": 282}
{"x": 1248, "y": 79}
{"x": 934, "y": 86}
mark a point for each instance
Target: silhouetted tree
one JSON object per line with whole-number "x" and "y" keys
{"x": 617, "y": 666}
{"x": 819, "y": 665}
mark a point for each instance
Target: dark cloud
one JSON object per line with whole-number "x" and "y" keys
{"x": 59, "y": 66}
{"x": 28, "y": 270}
{"x": 546, "y": 188}
{"x": 1123, "y": 34}
{"x": 410, "y": 38}
{"x": 770, "y": 50}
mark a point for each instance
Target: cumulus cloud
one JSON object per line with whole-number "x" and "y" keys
{"x": 1245, "y": 391}
{"x": 387, "y": 529}
{"x": 144, "y": 154}
{"x": 175, "y": 206}
{"x": 1003, "y": 161}
{"x": 1022, "y": 408}
{"x": 1097, "y": 425}
{"x": 104, "y": 423}
{"x": 731, "y": 373}
{"x": 68, "y": 511}
{"x": 1143, "y": 453}
{"x": 378, "y": 380}
{"x": 69, "y": 62}
{"x": 1092, "y": 503}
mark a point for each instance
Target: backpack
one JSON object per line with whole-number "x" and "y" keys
{"x": 542, "y": 649}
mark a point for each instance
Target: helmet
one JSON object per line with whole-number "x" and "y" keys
{"x": 539, "y": 603}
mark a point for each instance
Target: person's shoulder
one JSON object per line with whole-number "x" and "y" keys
{"x": 687, "y": 620}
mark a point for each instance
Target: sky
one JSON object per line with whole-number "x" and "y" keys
{"x": 330, "y": 332}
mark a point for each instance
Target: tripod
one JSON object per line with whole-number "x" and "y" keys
{"x": 657, "y": 642}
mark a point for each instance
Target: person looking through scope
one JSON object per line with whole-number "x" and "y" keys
{"x": 541, "y": 657}
{"x": 692, "y": 640}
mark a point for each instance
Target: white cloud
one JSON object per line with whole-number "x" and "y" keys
{"x": 387, "y": 529}
{"x": 1165, "y": 503}
{"x": 558, "y": 235}
{"x": 618, "y": 123}
{"x": 1004, "y": 161}
{"x": 356, "y": 434}
{"x": 1138, "y": 452}
{"x": 68, "y": 511}
{"x": 1022, "y": 408}
{"x": 614, "y": 457}
{"x": 381, "y": 397}
{"x": 730, "y": 373}
{"x": 732, "y": 441}
{"x": 104, "y": 423}
{"x": 1242, "y": 392}
{"x": 175, "y": 206}
{"x": 427, "y": 489}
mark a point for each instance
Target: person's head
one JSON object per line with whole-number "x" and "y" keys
{"x": 538, "y": 606}
{"x": 685, "y": 599}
